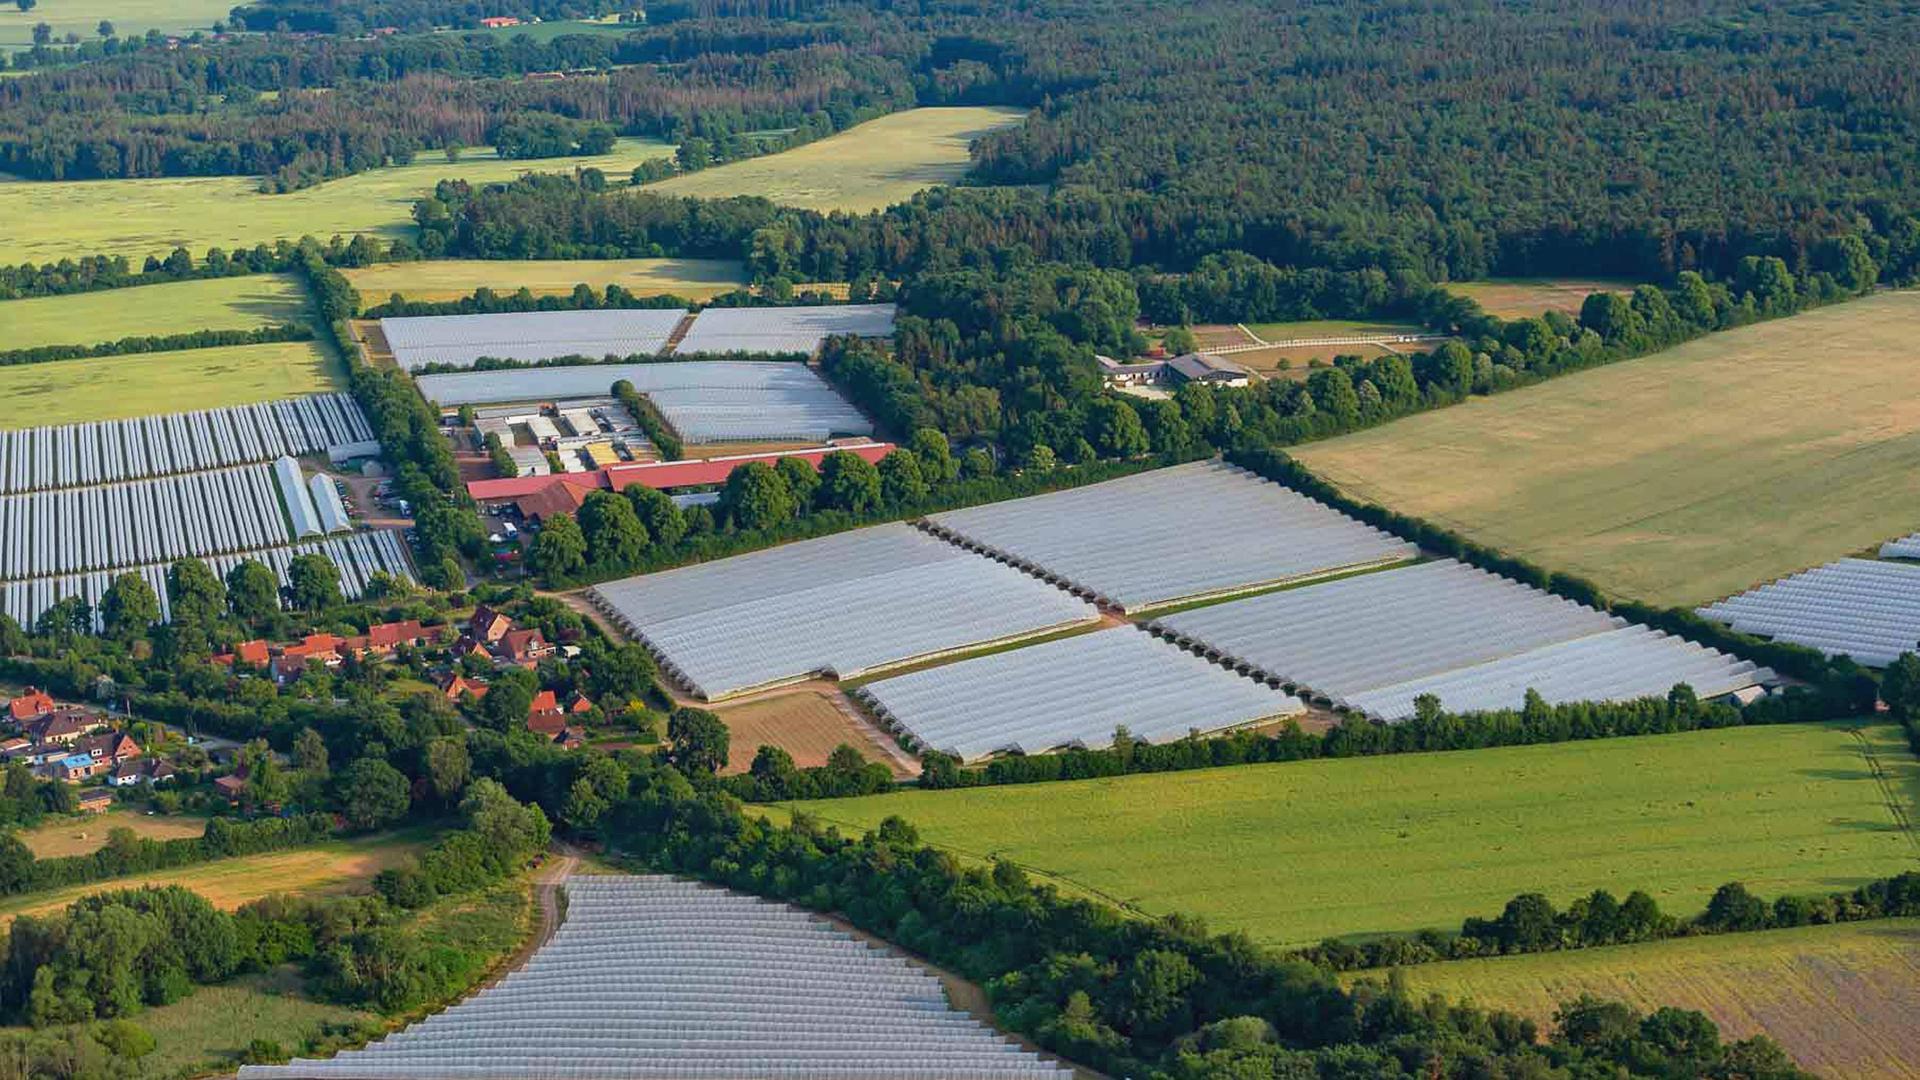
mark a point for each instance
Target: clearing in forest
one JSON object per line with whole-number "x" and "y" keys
{"x": 49, "y": 221}
{"x": 456, "y": 279}
{"x": 1527, "y": 298}
{"x": 58, "y": 837}
{"x": 1840, "y": 999}
{"x": 866, "y": 167}
{"x": 1680, "y": 477}
{"x": 143, "y": 384}
{"x": 175, "y": 307}
{"x": 1294, "y": 853}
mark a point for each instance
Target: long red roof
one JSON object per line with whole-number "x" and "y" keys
{"x": 664, "y": 475}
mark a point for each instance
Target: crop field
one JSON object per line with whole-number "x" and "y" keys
{"x": 1526, "y": 298}
{"x": 129, "y": 17}
{"x": 1297, "y": 852}
{"x": 1840, "y": 999}
{"x": 339, "y": 866}
{"x": 137, "y": 218}
{"x": 806, "y": 722}
{"x": 177, "y": 307}
{"x": 58, "y": 837}
{"x": 69, "y": 391}
{"x": 876, "y": 164}
{"x": 1680, "y": 477}
{"x": 455, "y": 279}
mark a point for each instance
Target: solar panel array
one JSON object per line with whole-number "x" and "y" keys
{"x": 1857, "y": 607}
{"x": 703, "y": 400}
{"x": 528, "y": 335}
{"x": 159, "y": 520}
{"x": 1167, "y": 535}
{"x": 1372, "y": 643}
{"x": 782, "y": 329}
{"x": 1072, "y": 692}
{"x": 650, "y": 977}
{"x": 839, "y": 605}
{"x": 77, "y": 455}
{"x": 358, "y": 557}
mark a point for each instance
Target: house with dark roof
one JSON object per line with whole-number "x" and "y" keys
{"x": 95, "y": 800}
{"x": 63, "y": 726}
{"x": 487, "y": 625}
{"x": 138, "y": 771}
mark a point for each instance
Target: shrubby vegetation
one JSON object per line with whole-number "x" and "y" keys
{"x": 125, "y": 852}
{"x": 198, "y": 339}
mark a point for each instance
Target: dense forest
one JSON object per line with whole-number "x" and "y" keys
{"x": 1464, "y": 138}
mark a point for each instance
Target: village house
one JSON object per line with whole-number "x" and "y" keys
{"x": 63, "y": 727}
{"x": 133, "y": 772}
{"x": 30, "y": 706}
{"x": 522, "y": 648}
{"x": 95, "y": 800}
{"x": 457, "y": 687}
{"x": 487, "y": 625}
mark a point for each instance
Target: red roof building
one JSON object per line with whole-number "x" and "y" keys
{"x": 459, "y": 686}
{"x": 31, "y": 706}
{"x": 662, "y": 475}
{"x": 523, "y": 647}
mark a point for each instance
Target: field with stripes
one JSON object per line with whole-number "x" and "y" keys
{"x": 1681, "y": 477}
{"x": 1294, "y": 853}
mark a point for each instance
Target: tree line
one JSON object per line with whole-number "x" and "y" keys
{"x": 197, "y": 339}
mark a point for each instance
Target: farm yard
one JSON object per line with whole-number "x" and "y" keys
{"x": 456, "y": 279}
{"x": 807, "y": 722}
{"x": 137, "y": 218}
{"x": 1298, "y": 852}
{"x": 178, "y": 307}
{"x": 1528, "y": 298}
{"x": 1840, "y": 999}
{"x": 68, "y": 391}
{"x": 873, "y": 165}
{"x": 1723, "y": 479}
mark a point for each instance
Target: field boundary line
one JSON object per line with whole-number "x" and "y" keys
{"x": 1888, "y": 790}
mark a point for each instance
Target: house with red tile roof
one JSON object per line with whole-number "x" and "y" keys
{"x": 30, "y": 706}
{"x": 522, "y": 648}
{"x": 457, "y": 686}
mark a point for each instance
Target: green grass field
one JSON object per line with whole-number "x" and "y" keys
{"x": 1679, "y": 477}
{"x": 1840, "y": 999}
{"x": 1298, "y": 852}
{"x": 1318, "y": 328}
{"x": 129, "y": 18}
{"x": 142, "y": 384}
{"x": 137, "y": 218}
{"x": 179, "y": 307}
{"x": 875, "y": 164}
{"x": 454, "y": 279}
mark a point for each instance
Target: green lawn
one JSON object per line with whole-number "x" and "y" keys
{"x": 1680, "y": 477}
{"x": 1840, "y": 999}
{"x": 142, "y": 384}
{"x": 872, "y": 165}
{"x": 180, "y": 307}
{"x": 1320, "y": 328}
{"x": 1297, "y": 852}
{"x": 455, "y": 279}
{"x": 137, "y": 218}
{"x": 129, "y": 18}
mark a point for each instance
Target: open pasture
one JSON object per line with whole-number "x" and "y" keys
{"x": 176, "y": 307}
{"x": 137, "y": 218}
{"x": 1528, "y": 298}
{"x": 1681, "y": 477}
{"x": 456, "y": 279}
{"x": 130, "y": 18}
{"x": 1840, "y": 999}
{"x": 1324, "y": 328}
{"x": 873, "y": 165}
{"x": 63, "y": 836}
{"x": 1297, "y": 852}
{"x": 142, "y": 384}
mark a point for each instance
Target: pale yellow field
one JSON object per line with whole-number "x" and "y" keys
{"x": 1840, "y": 999}
{"x": 129, "y": 18}
{"x": 876, "y": 164}
{"x": 1526, "y": 298}
{"x": 83, "y": 835}
{"x": 177, "y": 307}
{"x": 1680, "y": 477}
{"x": 455, "y": 279}
{"x": 143, "y": 384}
{"x": 137, "y": 218}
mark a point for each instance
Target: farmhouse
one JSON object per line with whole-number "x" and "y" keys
{"x": 1191, "y": 367}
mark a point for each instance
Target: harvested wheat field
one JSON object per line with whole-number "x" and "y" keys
{"x": 60, "y": 837}
{"x": 1840, "y": 999}
{"x": 1680, "y": 477}
{"x": 1527, "y": 298}
{"x": 807, "y": 722}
